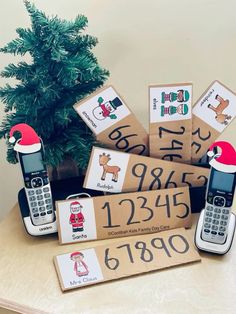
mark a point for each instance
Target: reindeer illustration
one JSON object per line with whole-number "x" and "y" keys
{"x": 103, "y": 160}
{"x": 220, "y": 117}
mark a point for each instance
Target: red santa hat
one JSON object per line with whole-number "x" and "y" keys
{"x": 29, "y": 141}
{"x": 75, "y": 203}
{"x": 226, "y": 161}
{"x": 76, "y": 254}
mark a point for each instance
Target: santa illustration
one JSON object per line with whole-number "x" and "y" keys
{"x": 80, "y": 267}
{"x": 224, "y": 161}
{"x": 181, "y": 96}
{"x": 106, "y": 109}
{"x": 29, "y": 141}
{"x": 182, "y": 109}
{"x": 76, "y": 217}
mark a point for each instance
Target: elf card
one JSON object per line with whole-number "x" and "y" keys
{"x": 170, "y": 121}
{"x": 109, "y": 118}
{"x": 212, "y": 113}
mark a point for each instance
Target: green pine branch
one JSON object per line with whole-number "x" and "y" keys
{"x": 62, "y": 71}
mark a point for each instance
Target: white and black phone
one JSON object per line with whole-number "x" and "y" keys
{"x": 219, "y": 200}
{"x": 37, "y": 187}
{"x": 216, "y": 225}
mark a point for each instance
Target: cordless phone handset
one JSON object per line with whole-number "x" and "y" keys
{"x": 216, "y": 225}
{"x": 219, "y": 199}
{"x": 37, "y": 187}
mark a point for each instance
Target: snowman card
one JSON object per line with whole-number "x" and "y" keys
{"x": 170, "y": 121}
{"x": 212, "y": 113}
{"x": 109, "y": 118}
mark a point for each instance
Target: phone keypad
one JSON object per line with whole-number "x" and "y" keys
{"x": 216, "y": 220}
{"x": 40, "y": 201}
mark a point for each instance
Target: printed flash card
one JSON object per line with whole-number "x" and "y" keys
{"x": 125, "y": 258}
{"x": 112, "y": 122}
{"x": 122, "y": 215}
{"x": 113, "y": 171}
{"x": 212, "y": 113}
{"x": 171, "y": 121}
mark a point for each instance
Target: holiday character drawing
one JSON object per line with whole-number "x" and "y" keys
{"x": 76, "y": 217}
{"x": 107, "y": 109}
{"x": 181, "y": 96}
{"x": 181, "y": 109}
{"x": 223, "y": 104}
{"x": 80, "y": 267}
{"x": 103, "y": 161}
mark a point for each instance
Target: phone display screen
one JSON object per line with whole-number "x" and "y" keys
{"x": 222, "y": 181}
{"x": 33, "y": 162}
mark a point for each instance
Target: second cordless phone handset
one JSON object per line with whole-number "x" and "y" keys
{"x": 37, "y": 187}
{"x": 216, "y": 225}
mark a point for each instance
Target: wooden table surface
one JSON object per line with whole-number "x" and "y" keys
{"x": 29, "y": 284}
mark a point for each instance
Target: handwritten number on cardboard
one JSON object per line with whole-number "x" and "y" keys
{"x": 132, "y": 206}
{"x": 111, "y": 262}
{"x": 198, "y": 132}
{"x": 122, "y": 141}
{"x": 109, "y": 221}
{"x": 175, "y": 144}
{"x": 140, "y": 171}
{"x": 143, "y": 205}
{"x": 147, "y": 250}
{"x": 176, "y": 203}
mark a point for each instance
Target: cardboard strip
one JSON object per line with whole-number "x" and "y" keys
{"x": 122, "y": 215}
{"x": 113, "y": 171}
{"x": 125, "y": 258}
{"x": 212, "y": 113}
{"x": 109, "y": 118}
{"x": 170, "y": 121}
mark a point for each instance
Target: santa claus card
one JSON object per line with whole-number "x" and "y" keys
{"x": 124, "y": 258}
{"x": 212, "y": 113}
{"x": 107, "y": 115}
{"x": 170, "y": 121}
{"x": 113, "y": 171}
{"x": 121, "y": 215}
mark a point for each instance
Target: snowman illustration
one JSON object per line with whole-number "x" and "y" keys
{"x": 106, "y": 110}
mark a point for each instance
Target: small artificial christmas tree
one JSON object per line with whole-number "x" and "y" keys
{"x": 63, "y": 71}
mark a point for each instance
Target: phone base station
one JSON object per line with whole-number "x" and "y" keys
{"x": 213, "y": 247}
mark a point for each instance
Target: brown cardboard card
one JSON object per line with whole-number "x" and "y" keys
{"x": 171, "y": 121}
{"x": 109, "y": 118}
{"x": 113, "y": 171}
{"x": 212, "y": 113}
{"x": 125, "y": 258}
{"x": 122, "y": 215}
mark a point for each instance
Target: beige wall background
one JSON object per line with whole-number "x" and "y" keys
{"x": 141, "y": 42}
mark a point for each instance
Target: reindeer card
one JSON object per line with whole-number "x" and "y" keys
{"x": 112, "y": 171}
{"x": 121, "y": 215}
{"x": 125, "y": 258}
{"x": 170, "y": 121}
{"x": 212, "y": 113}
{"x": 112, "y": 122}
